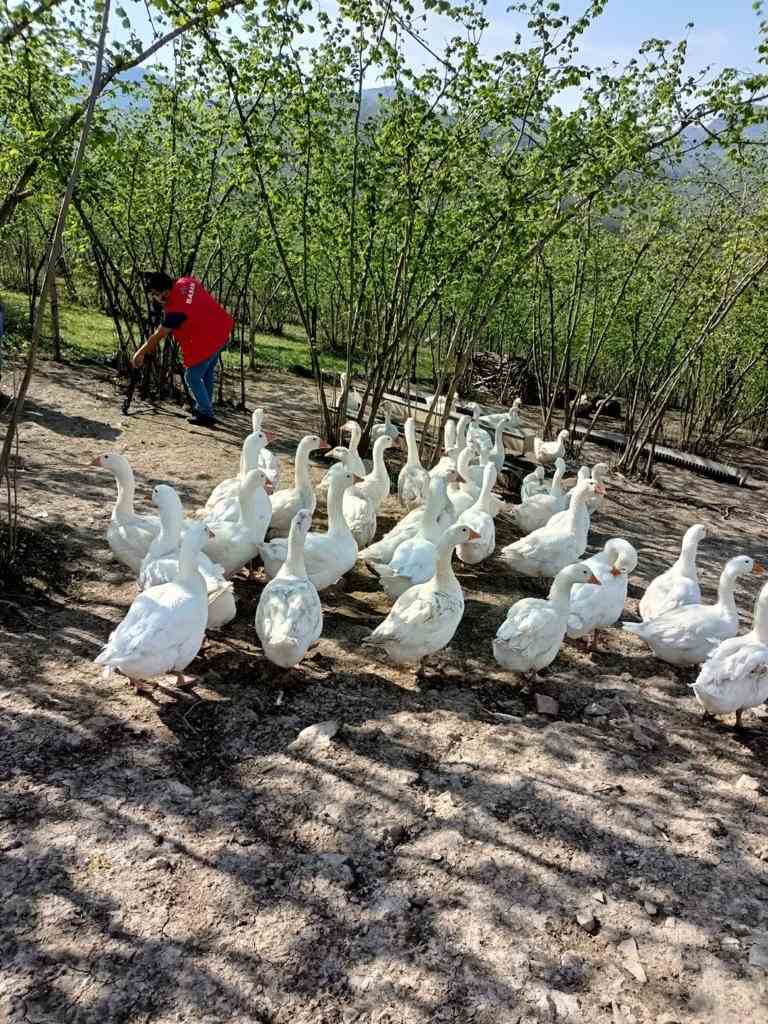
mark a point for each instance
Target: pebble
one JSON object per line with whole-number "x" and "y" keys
{"x": 630, "y": 960}
{"x": 747, "y": 782}
{"x": 587, "y": 920}
{"x": 595, "y": 709}
{"x": 547, "y": 705}
{"x": 319, "y": 735}
{"x": 176, "y": 788}
{"x": 730, "y": 942}
{"x": 650, "y": 908}
{"x": 758, "y": 955}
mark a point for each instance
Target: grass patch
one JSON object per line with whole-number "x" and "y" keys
{"x": 86, "y": 334}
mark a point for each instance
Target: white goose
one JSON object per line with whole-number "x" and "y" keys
{"x": 480, "y": 519}
{"x": 679, "y": 585}
{"x": 688, "y": 635}
{"x": 222, "y": 504}
{"x": 498, "y": 452}
{"x": 451, "y": 449}
{"x": 327, "y": 556}
{"x": 735, "y": 675}
{"x": 414, "y": 558}
{"x": 548, "y": 550}
{"x": 161, "y": 563}
{"x": 513, "y": 416}
{"x": 287, "y": 502}
{"x": 585, "y": 473}
{"x": 361, "y": 502}
{"x": 268, "y": 461}
{"x": 354, "y": 405}
{"x": 385, "y": 429}
{"x": 128, "y": 534}
{"x": 236, "y": 544}
{"x": 545, "y": 452}
{"x": 413, "y": 478}
{"x": 594, "y": 609}
{"x": 532, "y": 634}
{"x": 163, "y": 629}
{"x": 424, "y": 619}
{"x": 348, "y": 457}
{"x": 538, "y": 510}
{"x": 289, "y": 616}
{"x": 476, "y": 434}
{"x": 534, "y": 483}
{"x": 471, "y": 481}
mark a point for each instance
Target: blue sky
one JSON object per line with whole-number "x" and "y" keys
{"x": 724, "y": 33}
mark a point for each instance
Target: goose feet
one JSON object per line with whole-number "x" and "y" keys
{"x": 141, "y": 686}
{"x": 184, "y": 682}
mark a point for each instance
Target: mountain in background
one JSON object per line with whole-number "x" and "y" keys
{"x": 695, "y": 156}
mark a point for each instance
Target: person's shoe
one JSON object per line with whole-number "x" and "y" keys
{"x": 202, "y": 421}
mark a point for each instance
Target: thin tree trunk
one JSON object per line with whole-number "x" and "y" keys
{"x": 50, "y": 270}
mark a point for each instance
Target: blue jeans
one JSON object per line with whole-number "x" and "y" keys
{"x": 200, "y": 380}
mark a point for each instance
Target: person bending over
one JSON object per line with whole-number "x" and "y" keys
{"x": 201, "y": 328}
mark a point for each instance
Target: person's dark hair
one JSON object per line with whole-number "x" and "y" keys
{"x": 157, "y": 281}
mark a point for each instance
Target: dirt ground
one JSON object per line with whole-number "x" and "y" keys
{"x": 449, "y": 855}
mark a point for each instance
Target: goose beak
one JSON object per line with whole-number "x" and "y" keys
{"x": 96, "y": 462}
{"x": 209, "y": 532}
{"x": 599, "y": 489}
{"x": 473, "y": 534}
{"x": 269, "y": 436}
{"x": 595, "y": 580}
{"x": 357, "y": 479}
{"x": 758, "y": 569}
{"x": 323, "y": 446}
{"x": 615, "y": 571}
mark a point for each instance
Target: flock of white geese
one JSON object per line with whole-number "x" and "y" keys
{"x": 185, "y": 564}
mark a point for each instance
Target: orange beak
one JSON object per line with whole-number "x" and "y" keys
{"x": 599, "y": 489}
{"x": 595, "y": 580}
{"x": 357, "y": 479}
{"x": 615, "y": 571}
{"x": 269, "y": 436}
{"x": 95, "y": 462}
{"x": 323, "y": 446}
{"x": 473, "y": 534}
{"x": 758, "y": 568}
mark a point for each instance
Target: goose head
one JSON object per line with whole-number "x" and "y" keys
{"x": 579, "y": 572}
{"x": 621, "y": 555}
{"x": 114, "y": 462}
{"x": 742, "y": 565}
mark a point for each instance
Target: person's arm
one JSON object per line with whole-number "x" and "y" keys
{"x": 149, "y": 346}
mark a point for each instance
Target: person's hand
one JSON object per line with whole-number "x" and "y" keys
{"x": 138, "y": 359}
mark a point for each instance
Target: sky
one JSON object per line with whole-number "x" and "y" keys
{"x": 724, "y": 33}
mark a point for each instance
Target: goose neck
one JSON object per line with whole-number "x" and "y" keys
{"x": 560, "y": 594}
{"x": 189, "y": 554}
{"x": 294, "y": 564}
{"x": 250, "y": 455}
{"x": 336, "y": 521}
{"x": 170, "y": 532}
{"x": 687, "y": 559}
{"x": 760, "y": 622}
{"x": 301, "y": 477}
{"x": 410, "y": 440}
{"x": 445, "y": 577}
{"x": 126, "y": 489}
{"x": 726, "y": 593}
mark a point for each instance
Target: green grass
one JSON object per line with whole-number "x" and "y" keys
{"x": 90, "y": 335}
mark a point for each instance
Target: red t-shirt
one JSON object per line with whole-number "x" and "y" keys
{"x": 206, "y": 324}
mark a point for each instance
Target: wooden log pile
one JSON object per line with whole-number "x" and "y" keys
{"x": 495, "y": 379}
